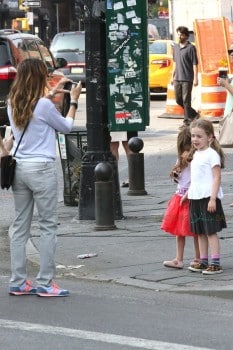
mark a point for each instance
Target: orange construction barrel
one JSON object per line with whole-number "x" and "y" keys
{"x": 213, "y": 96}
{"x": 171, "y": 106}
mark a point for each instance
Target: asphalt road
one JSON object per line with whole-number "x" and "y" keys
{"x": 106, "y": 316}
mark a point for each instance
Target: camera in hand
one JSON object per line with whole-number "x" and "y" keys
{"x": 174, "y": 175}
{"x": 222, "y": 72}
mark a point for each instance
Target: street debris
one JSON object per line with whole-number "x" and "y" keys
{"x": 88, "y": 255}
{"x": 69, "y": 267}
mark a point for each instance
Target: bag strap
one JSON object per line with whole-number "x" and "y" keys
{"x": 21, "y": 138}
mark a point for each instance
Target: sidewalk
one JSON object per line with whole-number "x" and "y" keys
{"x": 133, "y": 254}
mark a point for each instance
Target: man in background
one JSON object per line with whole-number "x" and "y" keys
{"x": 185, "y": 74}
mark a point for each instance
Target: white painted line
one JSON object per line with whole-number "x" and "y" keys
{"x": 96, "y": 336}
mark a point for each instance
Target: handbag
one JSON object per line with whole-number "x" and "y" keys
{"x": 226, "y": 131}
{"x": 8, "y": 164}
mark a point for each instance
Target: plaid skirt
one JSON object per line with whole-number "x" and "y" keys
{"x": 203, "y": 222}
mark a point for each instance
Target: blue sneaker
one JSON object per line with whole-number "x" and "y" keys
{"x": 52, "y": 291}
{"x": 26, "y": 288}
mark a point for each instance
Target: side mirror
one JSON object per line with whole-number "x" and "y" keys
{"x": 61, "y": 62}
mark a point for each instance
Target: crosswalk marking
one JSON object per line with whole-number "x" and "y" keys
{"x": 96, "y": 336}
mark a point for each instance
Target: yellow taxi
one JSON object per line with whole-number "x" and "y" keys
{"x": 160, "y": 65}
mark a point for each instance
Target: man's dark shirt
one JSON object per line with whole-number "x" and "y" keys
{"x": 185, "y": 58}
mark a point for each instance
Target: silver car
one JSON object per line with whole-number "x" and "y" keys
{"x": 71, "y": 46}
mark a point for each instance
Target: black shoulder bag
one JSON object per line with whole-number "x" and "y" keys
{"x": 8, "y": 164}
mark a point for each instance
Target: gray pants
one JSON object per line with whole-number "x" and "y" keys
{"x": 35, "y": 182}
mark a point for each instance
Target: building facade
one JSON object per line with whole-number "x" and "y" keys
{"x": 47, "y": 18}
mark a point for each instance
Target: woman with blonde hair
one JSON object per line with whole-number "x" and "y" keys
{"x": 35, "y": 179}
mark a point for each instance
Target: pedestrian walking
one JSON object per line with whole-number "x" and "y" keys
{"x": 35, "y": 179}
{"x": 185, "y": 73}
{"x": 124, "y": 137}
{"x": 227, "y": 83}
{"x": 205, "y": 194}
{"x": 176, "y": 219}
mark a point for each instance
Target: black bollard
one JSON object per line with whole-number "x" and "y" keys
{"x": 104, "y": 203}
{"x": 136, "y": 168}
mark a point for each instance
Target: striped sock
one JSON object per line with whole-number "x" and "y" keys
{"x": 204, "y": 260}
{"x": 215, "y": 259}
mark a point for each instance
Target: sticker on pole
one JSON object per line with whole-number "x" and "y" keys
{"x": 62, "y": 145}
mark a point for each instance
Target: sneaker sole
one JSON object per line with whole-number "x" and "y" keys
{"x": 192, "y": 269}
{"x": 51, "y": 295}
{"x": 21, "y": 293}
{"x": 211, "y": 272}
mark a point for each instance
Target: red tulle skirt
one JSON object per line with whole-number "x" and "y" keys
{"x": 176, "y": 219}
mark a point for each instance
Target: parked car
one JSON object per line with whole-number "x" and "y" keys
{"x": 15, "y": 47}
{"x": 152, "y": 31}
{"x": 71, "y": 46}
{"x": 160, "y": 65}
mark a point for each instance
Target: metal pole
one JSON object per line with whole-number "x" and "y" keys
{"x": 136, "y": 168}
{"x": 98, "y": 137}
{"x": 57, "y": 16}
{"x": 104, "y": 208}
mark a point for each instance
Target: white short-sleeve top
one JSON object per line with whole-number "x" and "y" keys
{"x": 201, "y": 174}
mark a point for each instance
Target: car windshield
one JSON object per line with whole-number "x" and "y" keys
{"x": 70, "y": 42}
{"x": 4, "y": 58}
{"x": 158, "y": 48}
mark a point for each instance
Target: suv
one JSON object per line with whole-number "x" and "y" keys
{"x": 15, "y": 47}
{"x": 71, "y": 46}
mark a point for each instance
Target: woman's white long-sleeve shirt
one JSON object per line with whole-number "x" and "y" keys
{"x": 39, "y": 141}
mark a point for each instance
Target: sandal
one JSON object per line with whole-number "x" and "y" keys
{"x": 174, "y": 263}
{"x": 231, "y": 205}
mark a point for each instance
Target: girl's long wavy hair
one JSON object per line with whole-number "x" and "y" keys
{"x": 29, "y": 85}
{"x": 183, "y": 149}
{"x": 208, "y": 128}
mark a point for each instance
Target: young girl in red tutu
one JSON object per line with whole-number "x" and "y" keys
{"x": 176, "y": 219}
